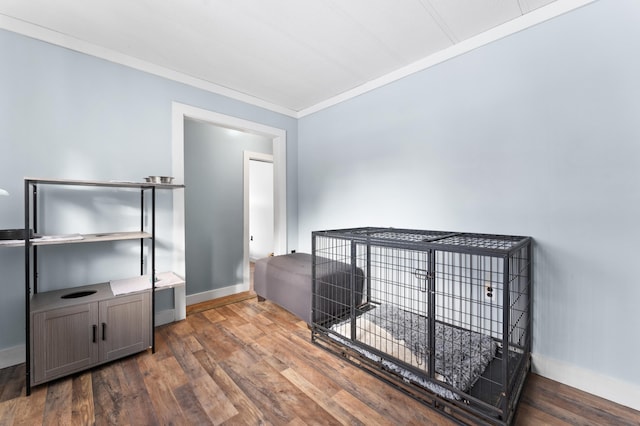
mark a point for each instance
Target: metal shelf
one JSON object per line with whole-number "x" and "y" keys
{"x": 107, "y": 184}
{"x": 47, "y": 240}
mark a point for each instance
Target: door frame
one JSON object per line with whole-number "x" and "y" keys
{"x": 180, "y": 112}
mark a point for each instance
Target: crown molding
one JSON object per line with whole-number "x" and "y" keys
{"x": 72, "y": 43}
{"x": 552, "y": 10}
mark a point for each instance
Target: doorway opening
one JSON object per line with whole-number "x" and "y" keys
{"x": 180, "y": 112}
{"x": 258, "y": 206}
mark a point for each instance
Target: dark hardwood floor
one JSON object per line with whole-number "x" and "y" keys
{"x": 252, "y": 363}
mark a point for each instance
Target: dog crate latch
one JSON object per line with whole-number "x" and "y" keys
{"x": 423, "y": 275}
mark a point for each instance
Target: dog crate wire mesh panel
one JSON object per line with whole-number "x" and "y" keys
{"x": 447, "y": 312}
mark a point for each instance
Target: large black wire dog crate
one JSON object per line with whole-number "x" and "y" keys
{"x": 443, "y": 316}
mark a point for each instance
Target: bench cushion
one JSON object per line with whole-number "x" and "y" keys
{"x": 286, "y": 280}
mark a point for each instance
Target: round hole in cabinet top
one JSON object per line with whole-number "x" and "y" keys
{"x": 77, "y": 294}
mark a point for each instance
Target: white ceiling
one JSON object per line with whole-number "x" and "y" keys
{"x": 290, "y": 55}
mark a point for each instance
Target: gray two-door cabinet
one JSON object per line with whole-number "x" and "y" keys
{"x": 70, "y": 334}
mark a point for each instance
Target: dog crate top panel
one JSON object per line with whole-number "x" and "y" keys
{"x": 390, "y": 234}
{"x": 498, "y": 242}
{"x": 423, "y": 239}
{"x": 410, "y": 236}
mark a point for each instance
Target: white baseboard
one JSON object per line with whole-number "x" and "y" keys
{"x": 217, "y": 293}
{"x": 619, "y": 391}
{"x": 12, "y": 356}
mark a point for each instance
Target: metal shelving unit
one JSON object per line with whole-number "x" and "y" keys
{"x": 31, "y": 186}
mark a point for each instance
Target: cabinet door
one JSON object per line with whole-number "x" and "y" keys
{"x": 125, "y": 325}
{"x": 64, "y": 341}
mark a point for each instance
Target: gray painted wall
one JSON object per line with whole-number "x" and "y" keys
{"x": 536, "y": 134}
{"x": 69, "y": 115}
{"x": 213, "y": 173}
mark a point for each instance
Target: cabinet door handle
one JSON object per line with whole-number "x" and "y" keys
{"x": 104, "y": 331}
{"x": 95, "y": 331}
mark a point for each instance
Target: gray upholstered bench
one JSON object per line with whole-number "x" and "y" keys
{"x": 286, "y": 280}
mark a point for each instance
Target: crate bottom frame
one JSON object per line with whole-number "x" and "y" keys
{"x": 458, "y": 411}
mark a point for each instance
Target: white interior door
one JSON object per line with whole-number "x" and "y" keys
{"x": 261, "y": 207}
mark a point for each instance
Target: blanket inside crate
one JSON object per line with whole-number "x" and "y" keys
{"x": 461, "y": 355}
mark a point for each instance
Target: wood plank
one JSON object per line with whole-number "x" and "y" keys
{"x": 214, "y": 337}
{"x": 8, "y": 410}
{"x": 165, "y": 405}
{"x": 317, "y": 372}
{"x": 161, "y": 345}
{"x": 248, "y": 412}
{"x": 192, "y": 344}
{"x": 198, "y": 322}
{"x": 31, "y": 410}
{"x": 106, "y": 388}
{"x": 386, "y": 400}
{"x": 270, "y": 357}
{"x": 325, "y": 401}
{"x": 193, "y": 411}
{"x": 219, "y": 341}
{"x": 530, "y": 416}
{"x": 280, "y": 400}
{"x": 138, "y": 406}
{"x": 265, "y": 324}
{"x": 183, "y": 329}
{"x": 246, "y": 310}
{"x": 82, "y": 406}
{"x": 246, "y": 332}
{"x": 214, "y": 402}
{"x": 303, "y": 347}
{"x": 211, "y": 399}
{"x": 254, "y": 363}
{"x": 185, "y": 358}
{"x": 357, "y": 381}
{"x": 13, "y": 380}
{"x": 214, "y": 316}
{"x": 281, "y": 316}
{"x": 57, "y": 409}
{"x": 171, "y": 373}
{"x": 233, "y": 318}
{"x": 365, "y": 414}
